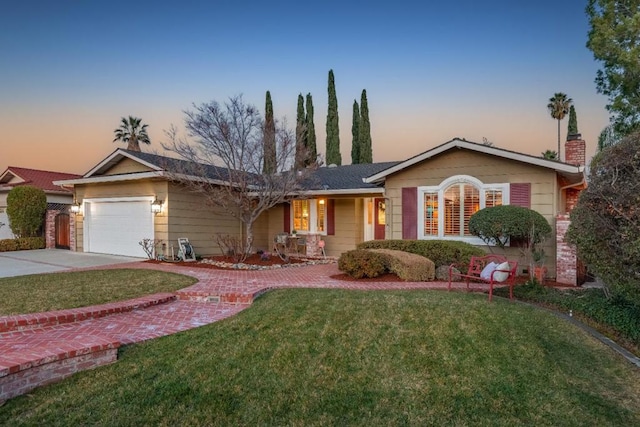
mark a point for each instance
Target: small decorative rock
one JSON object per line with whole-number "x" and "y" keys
{"x": 242, "y": 266}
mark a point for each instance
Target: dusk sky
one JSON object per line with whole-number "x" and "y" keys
{"x": 432, "y": 70}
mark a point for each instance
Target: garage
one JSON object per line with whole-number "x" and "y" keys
{"x": 116, "y": 226}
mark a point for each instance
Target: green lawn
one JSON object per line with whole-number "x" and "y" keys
{"x": 44, "y": 292}
{"x": 332, "y": 357}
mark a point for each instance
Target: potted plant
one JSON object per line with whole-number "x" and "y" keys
{"x": 294, "y": 232}
{"x": 539, "y": 269}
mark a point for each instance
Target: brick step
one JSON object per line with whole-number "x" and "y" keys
{"x": 230, "y": 297}
{"x": 50, "y": 360}
{"x": 24, "y": 322}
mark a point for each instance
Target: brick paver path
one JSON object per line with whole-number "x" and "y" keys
{"x": 20, "y": 346}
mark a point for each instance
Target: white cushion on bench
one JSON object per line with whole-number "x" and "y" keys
{"x": 501, "y": 276}
{"x": 487, "y": 270}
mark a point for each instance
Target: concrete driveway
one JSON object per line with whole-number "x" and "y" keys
{"x": 20, "y": 263}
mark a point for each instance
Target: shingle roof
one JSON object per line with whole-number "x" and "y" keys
{"x": 349, "y": 177}
{"x": 37, "y": 178}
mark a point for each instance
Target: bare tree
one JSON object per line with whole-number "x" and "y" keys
{"x": 224, "y": 153}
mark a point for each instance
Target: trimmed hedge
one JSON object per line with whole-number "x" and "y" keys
{"x": 22, "y": 244}
{"x": 360, "y": 263}
{"x": 408, "y": 266}
{"x": 441, "y": 252}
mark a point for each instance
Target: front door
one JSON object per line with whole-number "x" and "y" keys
{"x": 380, "y": 219}
{"x": 62, "y": 231}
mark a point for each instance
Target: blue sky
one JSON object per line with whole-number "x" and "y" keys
{"x": 71, "y": 69}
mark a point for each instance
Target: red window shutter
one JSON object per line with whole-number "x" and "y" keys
{"x": 410, "y": 213}
{"x": 520, "y": 194}
{"x": 287, "y": 217}
{"x": 331, "y": 217}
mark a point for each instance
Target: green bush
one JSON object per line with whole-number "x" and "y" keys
{"x": 441, "y": 252}
{"x": 22, "y": 244}
{"x": 497, "y": 224}
{"x": 408, "y": 266}
{"x": 360, "y": 263}
{"x": 26, "y": 206}
{"x": 604, "y": 223}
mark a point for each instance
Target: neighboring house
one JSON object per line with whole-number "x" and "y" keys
{"x": 429, "y": 196}
{"x": 57, "y": 222}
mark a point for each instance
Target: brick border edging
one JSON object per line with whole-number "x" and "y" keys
{"x": 22, "y": 322}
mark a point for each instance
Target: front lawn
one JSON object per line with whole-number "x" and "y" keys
{"x": 57, "y": 291}
{"x": 336, "y": 357}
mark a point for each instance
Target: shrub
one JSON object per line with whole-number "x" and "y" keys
{"x": 26, "y": 206}
{"x": 442, "y": 274}
{"x": 360, "y": 263}
{"x": 22, "y": 244}
{"x": 408, "y": 266}
{"x": 604, "y": 223}
{"x": 497, "y": 224}
{"x": 441, "y": 252}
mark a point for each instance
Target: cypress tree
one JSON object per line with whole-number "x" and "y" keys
{"x": 355, "y": 134}
{"x": 573, "y": 121}
{"x": 301, "y": 134}
{"x": 333, "y": 131}
{"x": 269, "y": 161}
{"x": 312, "y": 152}
{"x": 366, "y": 153}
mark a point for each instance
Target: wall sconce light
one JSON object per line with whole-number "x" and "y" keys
{"x": 76, "y": 208}
{"x": 156, "y": 206}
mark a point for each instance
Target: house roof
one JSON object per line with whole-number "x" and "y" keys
{"x": 566, "y": 170}
{"x": 346, "y": 179}
{"x": 14, "y": 176}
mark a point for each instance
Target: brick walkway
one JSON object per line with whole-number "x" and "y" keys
{"x": 36, "y": 349}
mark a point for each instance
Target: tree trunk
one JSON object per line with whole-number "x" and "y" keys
{"x": 248, "y": 242}
{"x": 559, "y": 156}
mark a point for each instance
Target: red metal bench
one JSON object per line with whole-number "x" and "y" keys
{"x": 477, "y": 264}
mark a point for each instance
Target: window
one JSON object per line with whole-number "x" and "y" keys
{"x": 445, "y": 209}
{"x": 309, "y": 216}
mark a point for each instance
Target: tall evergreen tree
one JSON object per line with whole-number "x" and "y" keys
{"x": 312, "y": 151}
{"x": 355, "y": 134}
{"x": 269, "y": 134}
{"x": 573, "y": 121}
{"x": 301, "y": 135}
{"x": 366, "y": 154}
{"x": 333, "y": 130}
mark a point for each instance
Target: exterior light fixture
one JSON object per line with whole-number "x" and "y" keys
{"x": 76, "y": 208}
{"x": 156, "y": 206}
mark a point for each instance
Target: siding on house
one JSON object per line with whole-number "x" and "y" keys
{"x": 126, "y": 166}
{"x": 190, "y": 218}
{"x": 489, "y": 170}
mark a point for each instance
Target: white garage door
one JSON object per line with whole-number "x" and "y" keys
{"x": 116, "y": 227}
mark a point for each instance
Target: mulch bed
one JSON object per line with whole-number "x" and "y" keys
{"x": 275, "y": 260}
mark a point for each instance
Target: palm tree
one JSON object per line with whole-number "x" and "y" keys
{"x": 131, "y": 132}
{"x": 549, "y": 155}
{"x": 558, "y": 107}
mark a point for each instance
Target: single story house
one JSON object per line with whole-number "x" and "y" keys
{"x": 429, "y": 196}
{"x": 58, "y": 222}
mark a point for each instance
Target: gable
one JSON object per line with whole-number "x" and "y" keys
{"x": 126, "y": 166}
{"x": 488, "y": 169}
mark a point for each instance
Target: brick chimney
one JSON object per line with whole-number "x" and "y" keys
{"x": 575, "y": 150}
